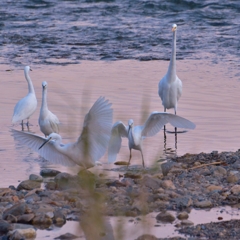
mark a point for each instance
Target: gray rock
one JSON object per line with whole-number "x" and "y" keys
{"x": 65, "y": 181}
{"x": 10, "y": 218}
{"x": 68, "y": 236}
{"x": 165, "y": 217}
{"x": 42, "y": 220}
{"x": 235, "y": 189}
{"x": 150, "y": 182}
{"x": 15, "y": 210}
{"x": 167, "y": 166}
{"x": 203, "y": 204}
{"x": 25, "y": 218}
{"x": 49, "y": 172}
{"x": 36, "y": 178}
{"x": 147, "y": 237}
{"x": 4, "y": 227}
{"x": 233, "y": 176}
{"x": 16, "y": 235}
{"x": 28, "y": 185}
{"x": 28, "y": 233}
{"x": 167, "y": 184}
{"x": 183, "y": 202}
{"x": 219, "y": 171}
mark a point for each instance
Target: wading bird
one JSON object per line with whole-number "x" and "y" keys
{"x": 87, "y": 150}
{"x": 170, "y": 86}
{"x": 47, "y": 121}
{"x": 136, "y": 134}
{"x": 27, "y": 105}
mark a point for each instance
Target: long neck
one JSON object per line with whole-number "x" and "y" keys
{"x": 44, "y": 99}
{"x": 30, "y": 85}
{"x": 172, "y": 65}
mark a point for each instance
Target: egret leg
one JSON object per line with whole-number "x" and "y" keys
{"x": 22, "y": 126}
{"x": 28, "y": 124}
{"x": 142, "y": 159}
{"x": 129, "y": 157}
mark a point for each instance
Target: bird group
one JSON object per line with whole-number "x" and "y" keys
{"x": 98, "y": 133}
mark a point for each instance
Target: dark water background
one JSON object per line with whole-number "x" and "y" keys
{"x": 40, "y": 31}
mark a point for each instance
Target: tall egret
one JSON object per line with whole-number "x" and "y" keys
{"x": 170, "y": 87}
{"x": 47, "y": 121}
{"x": 27, "y": 105}
{"x": 90, "y": 146}
{"x": 136, "y": 134}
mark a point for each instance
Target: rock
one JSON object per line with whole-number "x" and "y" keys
{"x": 51, "y": 185}
{"x": 147, "y": 237}
{"x": 36, "y": 178}
{"x": 25, "y": 218}
{"x": 49, "y": 172}
{"x": 167, "y": 166}
{"x": 28, "y": 185}
{"x": 233, "y": 176}
{"x": 4, "y": 227}
{"x": 15, "y": 210}
{"x": 167, "y": 184}
{"x": 203, "y": 204}
{"x": 20, "y": 234}
{"x": 59, "y": 218}
{"x": 214, "y": 188}
{"x": 10, "y": 218}
{"x": 68, "y": 236}
{"x": 235, "y": 189}
{"x": 219, "y": 171}
{"x": 165, "y": 217}
{"x": 65, "y": 181}
{"x": 150, "y": 182}
{"x": 182, "y": 215}
{"x": 186, "y": 223}
{"x": 183, "y": 202}
{"x": 42, "y": 220}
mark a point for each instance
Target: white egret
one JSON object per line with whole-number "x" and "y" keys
{"x": 47, "y": 121}
{"x": 87, "y": 150}
{"x": 136, "y": 134}
{"x": 27, "y": 105}
{"x": 170, "y": 86}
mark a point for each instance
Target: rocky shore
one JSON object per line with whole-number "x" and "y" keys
{"x": 200, "y": 181}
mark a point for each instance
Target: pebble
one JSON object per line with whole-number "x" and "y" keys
{"x": 165, "y": 217}
{"x": 182, "y": 215}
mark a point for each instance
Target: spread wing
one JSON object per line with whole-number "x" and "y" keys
{"x": 96, "y": 132}
{"x": 157, "y": 120}
{"x": 54, "y": 122}
{"x": 119, "y": 130}
{"x": 49, "y": 152}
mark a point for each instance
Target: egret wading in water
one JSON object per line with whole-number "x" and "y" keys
{"x": 170, "y": 86}
{"x": 136, "y": 134}
{"x": 87, "y": 150}
{"x": 47, "y": 121}
{"x": 27, "y": 105}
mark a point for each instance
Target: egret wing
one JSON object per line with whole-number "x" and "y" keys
{"x": 157, "y": 120}
{"x": 119, "y": 130}
{"x": 48, "y": 152}
{"x": 96, "y": 132}
{"x": 54, "y": 122}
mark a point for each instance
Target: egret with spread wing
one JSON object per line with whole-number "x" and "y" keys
{"x": 47, "y": 121}
{"x": 87, "y": 150}
{"x": 136, "y": 134}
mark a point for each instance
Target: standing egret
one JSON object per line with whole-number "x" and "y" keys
{"x": 170, "y": 87}
{"x": 136, "y": 134}
{"x": 87, "y": 150}
{"x": 47, "y": 121}
{"x": 27, "y": 105}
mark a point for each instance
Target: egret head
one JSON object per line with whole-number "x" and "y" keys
{"x": 44, "y": 85}
{"x": 27, "y": 69}
{"x": 174, "y": 27}
{"x": 52, "y": 136}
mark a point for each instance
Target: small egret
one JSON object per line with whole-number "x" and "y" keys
{"x": 47, "y": 121}
{"x": 136, "y": 134}
{"x": 27, "y": 105}
{"x": 170, "y": 87}
{"x": 90, "y": 146}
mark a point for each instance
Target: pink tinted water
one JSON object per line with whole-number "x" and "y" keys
{"x": 210, "y": 99}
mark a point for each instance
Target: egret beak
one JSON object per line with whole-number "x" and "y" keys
{"x": 45, "y": 143}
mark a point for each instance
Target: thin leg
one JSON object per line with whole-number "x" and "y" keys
{"x": 129, "y": 157}
{"x": 28, "y": 124}
{"x": 164, "y": 128}
{"x": 22, "y": 126}
{"x": 142, "y": 159}
{"x": 175, "y": 138}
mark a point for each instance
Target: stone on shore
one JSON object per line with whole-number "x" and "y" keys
{"x": 165, "y": 217}
{"x": 28, "y": 185}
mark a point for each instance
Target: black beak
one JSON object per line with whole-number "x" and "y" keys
{"x": 45, "y": 143}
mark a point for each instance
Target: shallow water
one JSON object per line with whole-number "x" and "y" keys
{"x": 210, "y": 99}
{"x": 132, "y": 228}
